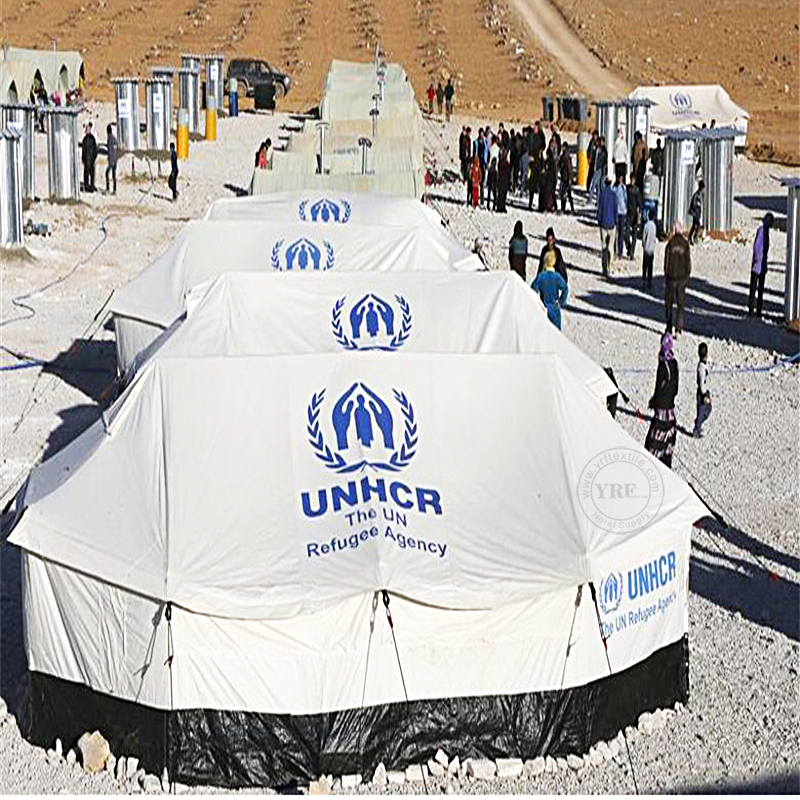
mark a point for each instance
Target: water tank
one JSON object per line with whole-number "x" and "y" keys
{"x": 637, "y": 118}
{"x": 126, "y": 95}
{"x": 189, "y": 95}
{"x": 214, "y": 80}
{"x": 191, "y": 61}
{"x": 165, "y": 74}
{"x": 158, "y": 93}
{"x": 677, "y": 185}
{"x": 21, "y": 117}
{"x": 10, "y": 188}
{"x": 608, "y": 119}
{"x": 63, "y": 165}
{"x": 716, "y": 157}
{"x": 791, "y": 298}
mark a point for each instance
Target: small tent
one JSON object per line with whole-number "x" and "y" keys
{"x": 219, "y": 606}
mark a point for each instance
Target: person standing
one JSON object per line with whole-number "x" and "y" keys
{"x": 503, "y": 181}
{"x": 431, "y": 93}
{"x": 550, "y": 246}
{"x": 475, "y": 178}
{"x": 657, "y": 159}
{"x": 633, "y": 218}
{"x": 639, "y": 160}
{"x": 537, "y": 149}
{"x": 552, "y": 289}
{"x": 111, "y": 151}
{"x": 172, "y": 181}
{"x": 439, "y": 97}
{"x": 591, "y": 153}
{"x": 703, "y": 393}
{"x": 660, "y": 440}
{"x": 696, "y": 212}
{"x": 88, "y": 157}
{"x": 677, "y": 271}
{"x": 599, "y": 171}
{"x": 547, "y": 191}
{"x": 565, "y": 185}
{"x": 607, "y": 221}
{"x": 449, "y": 92}
{"x": 524, "y": 171}
{"x": 620, "y": 155}
{"x": 465, "y": 151}
{"x": 518, "y": 250}
{"x": 491, "y": 178}
{"x": 648, "y": 250}
{"x": 758, "y": 266}
{"x": 621, "y": 194}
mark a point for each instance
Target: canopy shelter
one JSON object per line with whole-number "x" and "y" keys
{"x": 58, "y": 70}
{"x": 17, "y": 80}
{"x": 210, "y": 609}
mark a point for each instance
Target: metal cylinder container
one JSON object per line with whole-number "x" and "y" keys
{"x": 165, "y": 74}
{"x": 214, "y": 81}
{"x": 189, "y": 95}
{"x": 791, "y": 297}
{"x": 63, "y": 166}
{"x": 716, "y": 158}
{"x": 233, "y": 98}
{"x": 21, "y": 117}
{"x": 126, "y": 95}
{"x": 677, "y": 185}
{"x": 10, "y": 188}
{"x": 191, "y": 61}
{"x": 159, "y": 112}
{"x": 607, "y": 117}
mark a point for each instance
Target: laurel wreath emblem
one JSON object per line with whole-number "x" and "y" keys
{"x": 301, "y": 211}
{"x": 400, "y": 457}
{"x": 397, "y": 341}
{"x": 275, "y": 257}
{"x": 276, "y": 253}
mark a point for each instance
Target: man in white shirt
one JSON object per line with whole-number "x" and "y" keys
{"x": 649, "y": 249}
{"x": 620, "y": 155}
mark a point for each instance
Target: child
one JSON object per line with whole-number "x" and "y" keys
{"x": 703, "y": 394}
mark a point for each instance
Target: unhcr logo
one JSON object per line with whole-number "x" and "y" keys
{"x": 324, "y": 210}
{"x": 302, "y": 255}
{"x": 371, "y": 323}
{"x": 611, "y": 590}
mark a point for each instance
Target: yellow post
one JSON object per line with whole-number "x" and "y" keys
{"x": 583, "y": 159}
{"x": 183, "y": 134}
{"x": 211, "y": 119}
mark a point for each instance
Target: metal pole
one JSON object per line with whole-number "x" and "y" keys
{"x": 322, "y": 127}
{"x": 365, "y": 145}
{"x": 374, "y": 114}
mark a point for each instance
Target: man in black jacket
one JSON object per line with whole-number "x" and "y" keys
{"x": 88, "y": 156}
{"x": 172, "y": 181}
{"x": 551, "y": 245}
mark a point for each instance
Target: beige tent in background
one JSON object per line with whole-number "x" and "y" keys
{"x": 61, "y": 70}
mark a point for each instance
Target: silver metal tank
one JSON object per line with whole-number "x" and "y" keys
{"x": 10, "y": 188}
{"x": 63, "y": 165}
{"x": 158, "y": 93}
{"x": 191, "y": 60}
{"x": 608, "y": 118}
{"x": 637, "y": 118}
{"x": 215, "y": 78}
{"x": 165, "y": 74}
{"x": 677, "y": 185}
{"x": 126, "y": 95}
{"x": 716, "y": 158}
{"x": 189, "y": 95}
{"x": 20, "y": 117}
{"x": 791, "y": 297}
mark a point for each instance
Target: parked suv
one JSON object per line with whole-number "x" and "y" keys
{"x": 251, "y": 72}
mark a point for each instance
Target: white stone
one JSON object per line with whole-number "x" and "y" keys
{"x": 131, "y": 766}
{"x": 455, "y": 766}
{"x": 151, "y": 784}
{"x": 659, "y": 720}
{"x": 379, "y": 778}
{"x": 509, "y": 767}
{"x": 121, "y": 772}
{"x": 646, "y": 724}
{"x": 72, "y": 757}
{"x": 614, "y": 747}
{"x": 574, "y": 762}
{"x": 603, "y": 749}
{"x": 3, "y": 709}
{"x": 351, "y": 781}
{"x": 180, "y": 788}
{"x": 322, "y": 786}
{"x": 436, "y": 769}
{"x": 138, "y": 776}
{"x": 59, "y": 748}
{"x": 441, "y": 758}
{"x": 534, "y": 767}
{"x": 595, "y": 758}
{"x": 111, "y": 763}
{"x": 95, "y": 751}
{"x": 550, "y": 764}
{"x": 561, "y": 763}
{"x": 481, "y": 769}
{"x": 395, "y": 777}
{"x": 414, "y": 772}
{"x": 165, "y": 781}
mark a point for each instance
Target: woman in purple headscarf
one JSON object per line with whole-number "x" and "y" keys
{"x": 660, "y": 439}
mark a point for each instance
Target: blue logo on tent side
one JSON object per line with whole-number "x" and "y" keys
{"x": 611, "y": 591}
{"x": 324, "y": 210}
{"x": 371, "y": 323}
{"x": 368, "y": 431}
{"x": 302, "y": 255}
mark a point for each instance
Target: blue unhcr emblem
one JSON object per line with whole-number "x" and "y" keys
{"x": 611, "y": 589}
{"x": 302, "y": 254}
{"x": 364, "y": 430}
{"x": 372, "y": 323}
{"x": 325, "y": 210}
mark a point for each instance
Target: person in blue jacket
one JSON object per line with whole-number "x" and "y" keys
{"x": 552, "y": 288}
{"x": 607, "y": 222}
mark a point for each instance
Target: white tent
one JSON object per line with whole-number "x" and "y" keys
{"x": 256, "y": 314}
{"x": 209, "y": 608}
{"x": 409, "y": 184}
{"x": 683, "y": 107}
{"x": 156, "y": 297}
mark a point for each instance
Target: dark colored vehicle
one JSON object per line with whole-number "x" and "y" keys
{"x": 251, "y": 72}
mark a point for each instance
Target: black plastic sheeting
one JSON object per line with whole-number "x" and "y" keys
{"x": 239, "y": 749}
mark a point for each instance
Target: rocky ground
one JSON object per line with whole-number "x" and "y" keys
{"x": 739, "y": 729}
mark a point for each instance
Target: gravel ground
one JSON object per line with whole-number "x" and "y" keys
{"x": 739, "y": 731}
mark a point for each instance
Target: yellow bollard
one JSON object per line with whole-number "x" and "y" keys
{"x": 583, "y": 159}
{"x": 211, "y": 119}
{"x": 183, "y": 134}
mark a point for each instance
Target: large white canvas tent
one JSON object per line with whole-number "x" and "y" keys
{"x": 256, "y": 314}
{"x": 409, "y": 184}
{"x": 57, "y": 70}
{"x": 156, "y": 297}
{"x": 205, "y": 567}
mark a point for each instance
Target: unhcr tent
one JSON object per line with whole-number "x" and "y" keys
{"x": 156, "y": 297}
{"x": 219, "y": 605}
{"x": 257, "y": 314}
{"x": 409, "y": 184}
{"x": 62, "y": 70}
{"x": 685, "y": 107}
